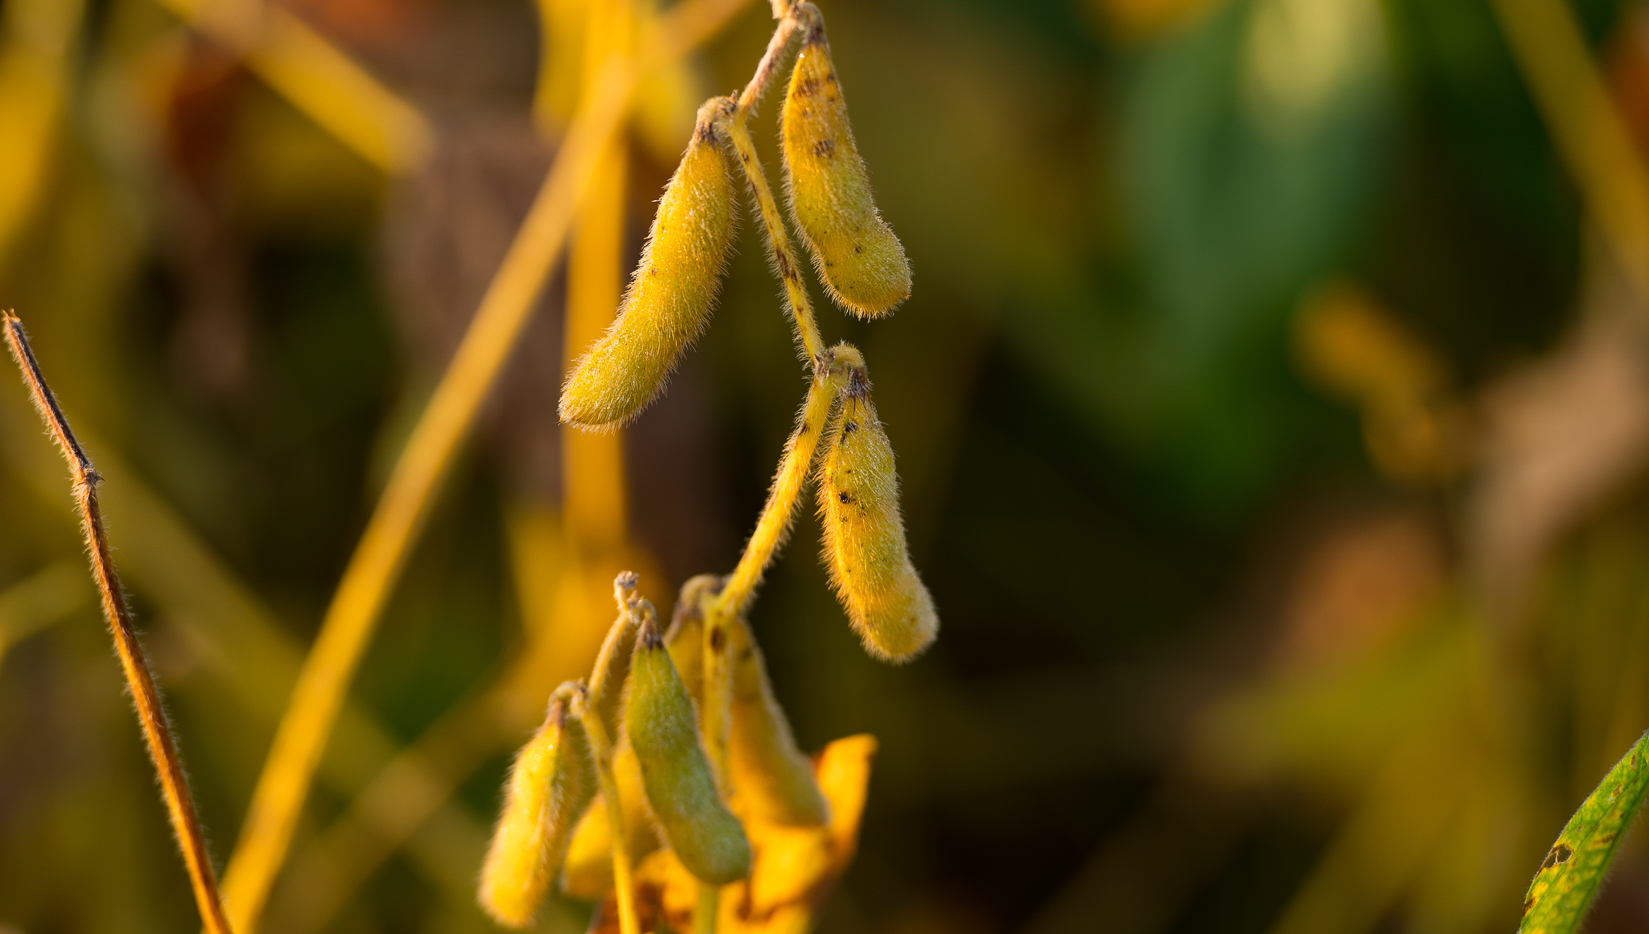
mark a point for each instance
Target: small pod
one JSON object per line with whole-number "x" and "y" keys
{"x": 675, "y": 772}
{"x": 685, "y": 637}
{"x": 612, "y": 664}
{"x": 864, "y": 538}
{"x": 550, "y": 786}
{"x": 861, "y": 262}
{"x": 773, "y": 779}
{"x": 670, "y": 295}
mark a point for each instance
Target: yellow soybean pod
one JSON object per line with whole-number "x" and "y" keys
{"x": 773, "y": 779}
{"x": 550, "y": 786}
{"x": 670, "y": 295}
{"x": 864, "y": 538}
{"x": 685, "y": 637}
{"x": 675, "y": 772}
{"x": 861, "y": 262}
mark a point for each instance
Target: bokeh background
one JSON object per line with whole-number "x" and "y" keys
{"x": 1272, "y": 410}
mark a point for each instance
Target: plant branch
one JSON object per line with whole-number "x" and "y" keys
{"x": 151, "y": 715}
{"x": 831, "y": 370}
{"x": 601, "y": 750}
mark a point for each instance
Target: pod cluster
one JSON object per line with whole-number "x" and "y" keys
{"x": 860, "y": 262}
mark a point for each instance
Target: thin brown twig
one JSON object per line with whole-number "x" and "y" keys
{"x": 151, "y": 715}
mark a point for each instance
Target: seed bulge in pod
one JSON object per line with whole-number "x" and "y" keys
{"x": 670, "y": 295}
{"x": 861, "y": 262}
{"x": 864, "y": 538}
{"x": 675, "y": 772}
{"x": 549, "y": 788}
{"x": 772, "y": 778}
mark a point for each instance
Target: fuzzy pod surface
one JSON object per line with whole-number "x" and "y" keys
{"x": 864, "y": 537}
{"x": 550, "y": 786}
{"x": 670, "y": 296}
{"x": 675, "y": 773}
{"x": 772, "y": 777}
{"x": 862, "y": 263}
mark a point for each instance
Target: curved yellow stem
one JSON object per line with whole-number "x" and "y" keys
{"x": 376, "y": 563}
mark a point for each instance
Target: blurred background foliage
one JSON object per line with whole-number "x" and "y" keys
{"x": 1272, "y": 416}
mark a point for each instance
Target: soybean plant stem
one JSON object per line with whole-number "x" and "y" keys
{"x": 706, "y": 909}
{"x": 774, "y": 523}
{"x": 601, "y": 750}
{"x": 778, "y": 239}
{"x": 157, "y": 732}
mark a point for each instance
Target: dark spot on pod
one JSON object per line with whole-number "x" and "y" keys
{"x": 845, "y": 496}
{"x": 718, "y": 638}
{"x": 806, "y": 87}
{"x": 824, "y": 148}
{"x": 849, "y": 429}
{"x": 857, "y": 248}
{"x": 1527, "y": 905}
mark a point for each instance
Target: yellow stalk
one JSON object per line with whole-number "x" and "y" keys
{"x": 151, "y": 714}
{"x": 1587, "y": 126}
{"x": 323, "y": 681}
{"x": 601, "y": 750}
{"x": 37, "y": 45}
{"x": 320, "y": 80}
{"x": 592, "y": 463}
{"x": 301, "y": 736}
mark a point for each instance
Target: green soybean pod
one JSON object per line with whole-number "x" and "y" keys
{"x": 670, "y": 295}
{"x": 864, "y": 537}
{"x": 551, "y": 784}
{"x": 675, "y": 772}
{"x": 862, "y": 263}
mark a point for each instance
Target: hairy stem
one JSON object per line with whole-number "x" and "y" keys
{"x": 778, "y": 238}
{"x": 774, "y": 524}
{"x": 601, "y": 750}
{"x": 151, "y": 715}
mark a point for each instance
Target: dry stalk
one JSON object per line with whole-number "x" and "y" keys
{"x": 151, "y": 714}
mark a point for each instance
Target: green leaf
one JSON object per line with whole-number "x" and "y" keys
{"x": 1573, "y": 869}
